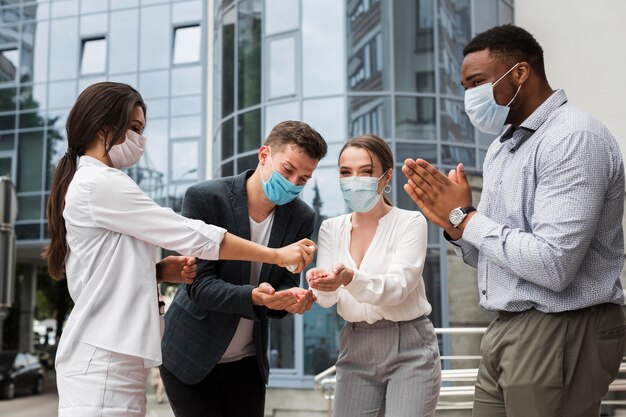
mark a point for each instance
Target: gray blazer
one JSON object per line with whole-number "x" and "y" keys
{"x": 201, "y": 321}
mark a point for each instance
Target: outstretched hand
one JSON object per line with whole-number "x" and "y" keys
{"x": 322, "y": 280}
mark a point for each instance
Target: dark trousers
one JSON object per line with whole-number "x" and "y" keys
{"x": 234, "y": 389}
{"x": 549, "y": 365}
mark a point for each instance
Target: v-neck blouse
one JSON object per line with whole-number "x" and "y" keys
{"x": 389, "y": 283}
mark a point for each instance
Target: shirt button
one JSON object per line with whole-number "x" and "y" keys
{"x": 484, "y": 292}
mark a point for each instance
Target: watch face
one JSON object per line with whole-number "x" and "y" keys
{"x": 456, "y": 216}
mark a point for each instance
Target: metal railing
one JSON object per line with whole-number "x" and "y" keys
{"x": 457, "y": 384}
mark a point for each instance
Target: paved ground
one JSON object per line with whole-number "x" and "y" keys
{"x": 45, "y": 405}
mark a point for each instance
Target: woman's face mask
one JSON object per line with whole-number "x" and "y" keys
{"x": 360, "y": 193}
{"x": 128, "y": 153}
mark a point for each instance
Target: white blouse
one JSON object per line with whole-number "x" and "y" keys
{"x": 389, "y": 283}
{"x": 113, "y": 229}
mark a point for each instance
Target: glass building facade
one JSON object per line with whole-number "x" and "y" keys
{"x": 346, "y": 67}
{"x": 51, "y": 50}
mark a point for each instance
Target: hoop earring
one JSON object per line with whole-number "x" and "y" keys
{"x": 387, "y": 189}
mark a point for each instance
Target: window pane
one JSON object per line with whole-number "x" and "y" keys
{"x": 30, "y": 208}
{"x": 249, "y": 53}
{"x": 369, "y": 115}
{"x": 415, "y": 118}
{"x": 455, "y": 125}
{"x": 92, "y": 6}
{"x": 185, "y": 160}
{"x": 57, "y": 145}
{"x": 188, "y": 11}
{"x": 7, "y": 122}
{"x": 157, "y": 147}
{"x": 5, "y": 166}
{"x": 34, "y": 66}
{"x": 187, "y": 45}
{"x": 63, "y": 48}
{"x": 324, "y": 187}
{"x": 32, "y": 97}
{"x": 122, "y": 4}
{"x": 228, "y": 169}
{"x": 281, "y": 15}
{"x": 282, "y": 67}
{"x": 30, "y": 120}
{"x": 94, "y": 24}
{"x": 184, "y": 127}
{"x": 249, "y": 131}
{"x": 61, "y": 94}
{"x": 282, "y": 352}
{"x": 7, "y": 141}
{"x": 452, "y": 155}
{"x": 186, "y": 80}
{"x": 414, "y": 45}
{"x": 454, "y": 34}
{"x": 94, "y": 56}
{"x": 9, "y": 61}
{"x": 64, "y": 8}
{"x": 228, "y": 138}
{"x": 228, "y": 63}
{"x": 155, "y": 37}
{"x": 278, "y": 113}
{"x": 123, "y": 41}
{"x": 28, "y": 231}
{"x": 327, "y": 116}
{"x": 415, "y": 150}
{"x": 7, "y": 99}
{"x": 157, "y": 108}
{"x": 323, "y": 43}
{"x": 247, "y": 162}
{"x": 30, "y": 160}
{"x": 186, "y": 105}
{"x": 154, "y": 84}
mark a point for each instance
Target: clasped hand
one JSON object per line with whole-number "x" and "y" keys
{"x": 298, "y": 254}
{"x": 176, "y": 269}
{"x": 322, "y": 280}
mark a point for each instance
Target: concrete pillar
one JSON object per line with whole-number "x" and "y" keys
{"x": 28, "y": 280}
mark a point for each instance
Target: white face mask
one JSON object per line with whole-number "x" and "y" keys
{"x": 481, "y": 107}
{"x": 128, "y": 153}
{"x": 360, "y": 193}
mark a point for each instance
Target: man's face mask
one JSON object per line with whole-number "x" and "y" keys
{"x": 481, "y": 107}
{"x": 278, "y": 189}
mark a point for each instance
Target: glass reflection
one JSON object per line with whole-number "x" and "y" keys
{"x": 414, "y": 45}
{"x": 327, "y": 116}
{"x": 249, "y": 131}
{"x": 452, "y": 155}
{"x": 228, "y": 62}
{"x": 123, "y": 41}
{"x": 282, "y": 67}
{"x": 369, "y": 115}
{"x": 7, "y": 99}
{"x": 34, "y": 48}
{"x": 247, "y": 162}
{"x": 455, "y": 125}
{"x": 366, "y": 51}
{"x": 323, "y": 193}
{"x": 185, "y": 12}
{"x": 186, "y": 44}
{"x": 93, "y": 56}
{"x": 7, "y": 141}
{"x": 154, "y": 84}
{"x": 186, "y": 105}
{"x": 62, "y": 35}
{"x": 30, "y": 161}
{"x": 249, "y": 53}
{"x": 185, "y": 127}
{"x": 95, "y": 24}
{"x": 7, "y": 122}
{"x": 323, "y": 43}
{"x": 415, "y": 118}
{"x": 61, "y": 94}
{"x": 277, "y": 113}
{"x": 64, "y": 8}
{"x": 28, "y": 231}
{"x": 9, "y": 61}
{"x": 413, "y": 150}
{"x": 228, "y": 138}
{"x": 454, "y": 34}
{"x": 186, "y": 80}
{"x": 281, "y": 16}
{"x": 184, "y": 160}
{"x": 282, "y": 351}
{"x": 155, "y": 42}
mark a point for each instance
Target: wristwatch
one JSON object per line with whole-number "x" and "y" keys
{"x": 458, "y": 214}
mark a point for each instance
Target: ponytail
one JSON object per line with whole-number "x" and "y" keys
{"x": 56, "y": 251}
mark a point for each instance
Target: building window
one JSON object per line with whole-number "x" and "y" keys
{"x": 94, "y": 56}
{"x": 9, "y": 59}
{"x": 186, "y": 45}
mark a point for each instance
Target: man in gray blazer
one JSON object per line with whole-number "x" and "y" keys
{"x": 215, "y": 345}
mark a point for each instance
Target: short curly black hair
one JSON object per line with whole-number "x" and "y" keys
{"x": 510, "y": 43}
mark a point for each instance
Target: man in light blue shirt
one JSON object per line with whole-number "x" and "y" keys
{"x": 546, "y": 238}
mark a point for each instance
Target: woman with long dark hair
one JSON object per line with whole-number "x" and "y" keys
{"x": 370, "y": 264}
{"x": 104, "y": 232}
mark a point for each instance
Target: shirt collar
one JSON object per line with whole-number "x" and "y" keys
{"x": 86, "y": 160}
{"x": 538, "y": 117}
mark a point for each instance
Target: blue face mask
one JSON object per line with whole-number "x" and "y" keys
{"x": 278, "y": 189}
{"x": 360, "y": 193}
{"x": 483, "y": 111}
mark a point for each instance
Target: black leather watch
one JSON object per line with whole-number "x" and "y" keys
{"x": 458, "y": 214}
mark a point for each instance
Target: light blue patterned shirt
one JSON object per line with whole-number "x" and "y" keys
{"x": 548, "y": 231}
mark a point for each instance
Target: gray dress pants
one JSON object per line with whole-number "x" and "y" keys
{"x": 388, "y": 369}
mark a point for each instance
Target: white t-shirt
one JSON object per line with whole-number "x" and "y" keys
{"x": 389, "y": 283}
{"x": 242, "y": 344}
{"x": 113, "y": 229}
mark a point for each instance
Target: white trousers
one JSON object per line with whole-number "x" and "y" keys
{"x": 94, "y": 382}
